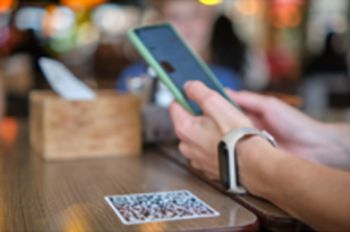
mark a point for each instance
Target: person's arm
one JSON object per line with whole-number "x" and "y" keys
{"x": 297, "y": 133}
{"x": 315, "y": 194}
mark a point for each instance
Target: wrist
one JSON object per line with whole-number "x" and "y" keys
{"x": 227, "y": 149}
{"x": 256, "y": 162}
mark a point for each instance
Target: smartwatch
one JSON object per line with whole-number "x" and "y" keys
{"x": 228, "y": 156}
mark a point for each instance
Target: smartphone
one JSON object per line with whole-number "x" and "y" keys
{"x": 174, "y": 62}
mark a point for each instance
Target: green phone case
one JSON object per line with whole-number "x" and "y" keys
{"x": 161, "y": 73}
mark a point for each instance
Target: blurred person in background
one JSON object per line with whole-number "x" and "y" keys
{"x": 227, "y": 48}
{"x": 326, "y": 84}
{"x": 26, "y": 42}
{"x": 195, "y": 23}
{"x": 229, "y": 51}
{"x": 332, "y": 59}
{"x": 21, "y": 53}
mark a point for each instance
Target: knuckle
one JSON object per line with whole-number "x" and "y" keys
{"x": 186, "y": 151}
{"x": 195, "y": 165}
{"x": 183, "y": 129}
{"x": 183, "y": 148}
{"x": 179, "y": 132}
{"x": 210, "y": 99}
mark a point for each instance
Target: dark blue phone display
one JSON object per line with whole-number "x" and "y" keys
{"x": 175, "y": 58}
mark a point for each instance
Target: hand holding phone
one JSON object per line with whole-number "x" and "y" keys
{"x": 173, "y": 61}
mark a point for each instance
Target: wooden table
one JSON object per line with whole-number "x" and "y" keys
{"x": 271, "y": 217}
{"x": 69, "y": 196}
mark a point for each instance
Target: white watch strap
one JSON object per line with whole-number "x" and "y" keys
{"x": 231, "y": 139}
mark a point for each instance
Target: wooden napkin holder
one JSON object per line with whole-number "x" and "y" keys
{"x": 109, "y": 125}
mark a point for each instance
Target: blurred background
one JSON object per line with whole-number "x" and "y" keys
{"x": 294, "y": 47}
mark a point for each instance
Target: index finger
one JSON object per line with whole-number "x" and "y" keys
{"x": 212, "y": 103}
{"x": 249, "y": 101}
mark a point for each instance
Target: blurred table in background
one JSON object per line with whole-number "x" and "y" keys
{"x": 69, "y": 196}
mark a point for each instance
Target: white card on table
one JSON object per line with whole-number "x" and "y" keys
{"x": 160, "y": 206}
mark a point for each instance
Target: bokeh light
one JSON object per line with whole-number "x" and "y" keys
{"x": 9, "y": 130}
{"x": 286, "y": 13}
{"x": 114, "y": 19}
{"x": 81, "y": 4}
{"x": 6, "y": 5}
{"x": 58, "y": 21}
{"x": 210, "y": 2}
{"x": 29, "y": 18}
{"x": 247, "y": 7}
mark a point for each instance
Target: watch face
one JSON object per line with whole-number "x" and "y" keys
{"x": 224, "y": 165}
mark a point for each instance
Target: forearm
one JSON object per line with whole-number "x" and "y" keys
{"x": 336, "y": 143}
{"x": 312, "y": 193}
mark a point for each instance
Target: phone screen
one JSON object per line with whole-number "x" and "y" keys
{"x": 175, "y": 58}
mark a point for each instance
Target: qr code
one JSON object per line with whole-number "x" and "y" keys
{"x": 162, "y": 206}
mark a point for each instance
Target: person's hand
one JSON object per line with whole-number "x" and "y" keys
{"x": 294, "y": 131}
{"x": 200, "y": 135}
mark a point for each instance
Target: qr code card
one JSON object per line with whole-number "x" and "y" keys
{"x": 160, "y": 206}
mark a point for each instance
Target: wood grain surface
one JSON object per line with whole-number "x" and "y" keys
{"x": 109, "y": 125}
{"x": 271, "y": 217}
{"x": 68, "y": 195}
